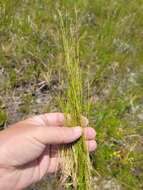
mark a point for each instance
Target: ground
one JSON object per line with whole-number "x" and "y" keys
{"x": 112, "y": 51}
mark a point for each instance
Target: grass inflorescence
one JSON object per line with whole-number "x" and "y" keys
{"x": 76, "y": 164}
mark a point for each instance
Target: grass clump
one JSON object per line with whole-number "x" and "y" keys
{"x": 3, "y": 118}
{"x": 76, "y": 164}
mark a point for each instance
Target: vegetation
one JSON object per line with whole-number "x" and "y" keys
{"x": 110, "y": 49}
{"x": 75, "y": 166}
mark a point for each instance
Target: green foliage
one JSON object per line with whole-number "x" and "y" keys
{"x": 111, "y": 48}
{"x": 27, "y": 100}
{"x": 79, "y": 168}
{"x": 3, "y": 118}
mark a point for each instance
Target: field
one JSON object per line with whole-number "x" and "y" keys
{"x": 111, "y": 49}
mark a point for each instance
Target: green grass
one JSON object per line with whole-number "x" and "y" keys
{"x": 3, "y": 119}
{"x": 76, "y": 163}
{"x": 110, "y": 49}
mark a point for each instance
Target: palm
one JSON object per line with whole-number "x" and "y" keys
{"x": 47, "y": 162}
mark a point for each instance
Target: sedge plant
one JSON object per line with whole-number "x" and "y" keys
{"x": 76, "y": 160}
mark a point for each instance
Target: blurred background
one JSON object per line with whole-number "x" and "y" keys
{"x": 111, "y": 50}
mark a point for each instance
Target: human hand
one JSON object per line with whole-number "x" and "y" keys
{"x": 29, "y": 149}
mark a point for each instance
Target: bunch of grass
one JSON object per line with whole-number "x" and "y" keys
{"x": 76, "y": 161}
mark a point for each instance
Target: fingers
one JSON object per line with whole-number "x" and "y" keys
{"x": 92, "y": 145}
{"x": 89, "y": 133}
{"x": 83, "y": 121}
{"x": 54, "y": 119}
{"x": 54, "y": 159}
{"x": 57, "y": 135}
{"x": 60, "y": 119}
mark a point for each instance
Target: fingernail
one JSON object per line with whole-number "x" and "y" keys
{"x": 77, "y": 131}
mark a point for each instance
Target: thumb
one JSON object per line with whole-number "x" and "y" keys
{"x": 57, "y": 135}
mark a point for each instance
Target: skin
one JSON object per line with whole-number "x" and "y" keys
{"x": 29, "y": 149}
